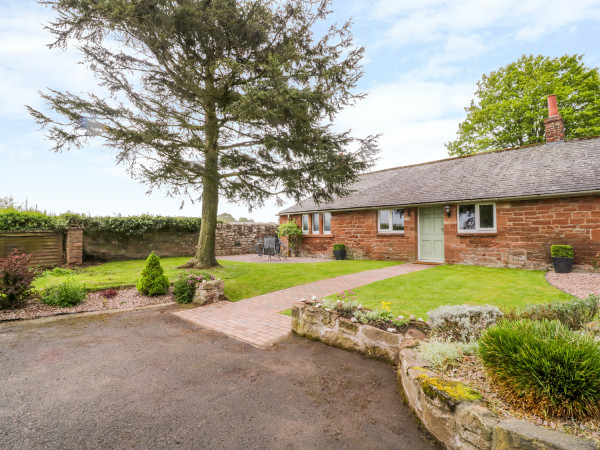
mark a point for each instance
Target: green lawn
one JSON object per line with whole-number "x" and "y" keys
{"x": 419, "y": 292}
{"x": 242, "y": 279}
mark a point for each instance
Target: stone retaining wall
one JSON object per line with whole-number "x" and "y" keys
{"x": 453, "y": 413}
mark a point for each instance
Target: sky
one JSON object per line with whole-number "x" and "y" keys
{"x": 422, "y": 62}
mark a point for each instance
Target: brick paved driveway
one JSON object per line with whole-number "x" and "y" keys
{"x": 256, "y": 320}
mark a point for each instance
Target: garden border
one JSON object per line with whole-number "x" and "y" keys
{"x": 451, "y": 411}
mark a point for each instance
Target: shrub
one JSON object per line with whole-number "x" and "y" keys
{"x": 292, "y": 232}
{"x": 574, "y": 313}
{"x": 339, "y": 247}
{"x": 185, "y": 286}
{"x": 15, "y": 279}
{"x": 443, "y": 354}
{"x": 153, "y": 281}
{"x": 67, "y": 294}
{"x": 561, "y": 251}
{"x": 462, "y": 322}
{"x": 376, "y": 317}
{"x": 543, "y": 367}
{"x": 109, "y": 293}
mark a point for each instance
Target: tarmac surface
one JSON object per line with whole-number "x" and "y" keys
{"x": 148, "y": 379}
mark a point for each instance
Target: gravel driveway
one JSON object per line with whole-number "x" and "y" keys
{"x": 576, "y": 283}
{"x": 147, "y": 379}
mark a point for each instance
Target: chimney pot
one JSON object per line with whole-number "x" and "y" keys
{"x": 552, "y": 106}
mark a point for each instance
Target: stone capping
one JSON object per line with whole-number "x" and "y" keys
{"x": 209, "y": 292}
{"x": 452, "y": 412}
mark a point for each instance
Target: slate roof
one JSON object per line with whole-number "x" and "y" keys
{"x": 540, "y": 170}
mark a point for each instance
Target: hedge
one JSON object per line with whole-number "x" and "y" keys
{"x": 13, "y": 220}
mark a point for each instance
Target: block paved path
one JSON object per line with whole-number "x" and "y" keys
{"x": 256, "y": 320}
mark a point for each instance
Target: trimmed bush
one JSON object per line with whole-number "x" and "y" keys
{"x": 544, "y": 368}
{"x": 70, "y": 293}
{"x": 574, "y": 313}
{"x": 561, "y": 251}
{"x": 339, "y": 247}
{"x": 153, "y": 281}
{"x": 15, "y": 279}
{"x": 462, "y": 322}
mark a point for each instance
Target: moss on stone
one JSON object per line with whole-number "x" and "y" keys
{"x": 449, "y": 392}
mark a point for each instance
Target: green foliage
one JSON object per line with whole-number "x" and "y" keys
{"x": 60, "y": 271}
{"x": 339, "y": 247}
{"x": 185, "y": 286}
{"x": 227, "y": 98}
{"x": 13, "y": 220}
{"x": 574, "y": 313}
{"x": 226, "y": 217}
{"x": 444, "y": 354}
{"x": 67, "y": 294}
{"x": 561, "y": 251}
{"x": 376, "y": 317}
{"x": 15, "y": 279}
{"x": 544, "y": 367}
{"x": 511, "y": 104}
{"x": 153, "y": 281}
{"x": 292, "y": 231}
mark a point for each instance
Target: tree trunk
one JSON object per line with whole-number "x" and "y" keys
{"x": 205, "y": 254}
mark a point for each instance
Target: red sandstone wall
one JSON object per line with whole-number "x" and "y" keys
{"x": 525, "y": 232}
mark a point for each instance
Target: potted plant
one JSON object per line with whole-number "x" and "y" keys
{"x": 339, "y": 251}
{"x": 562, "y": 258}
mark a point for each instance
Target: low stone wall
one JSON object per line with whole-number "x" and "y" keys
{"x": 231, "y": 239}
{"x": 328, "y": 327}
{"x": 457, "y": 417}
{"x": 453, "y": 413}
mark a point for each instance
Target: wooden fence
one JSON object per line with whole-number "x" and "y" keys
{"x": 46, "y": 247}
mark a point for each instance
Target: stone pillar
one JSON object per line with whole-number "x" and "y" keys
{"x": 74, "y": 246}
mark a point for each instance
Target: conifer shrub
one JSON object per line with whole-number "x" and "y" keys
{"x": 543, "y": 367}
{"x": 15, "y": 279}
{"x": 153, "y": 281}
{"x": 67, "y": 294}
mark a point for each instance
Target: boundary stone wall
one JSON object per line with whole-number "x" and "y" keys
{"x": 451, "y": 411}
{"x": 231, "y": 239}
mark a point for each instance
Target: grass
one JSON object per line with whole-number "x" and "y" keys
{"x": 287, "y": 312}
{"x": 419, "y": 292}
{"x": 243, "y": 279}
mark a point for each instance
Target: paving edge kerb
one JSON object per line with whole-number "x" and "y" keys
{"x": 451, "y": 411}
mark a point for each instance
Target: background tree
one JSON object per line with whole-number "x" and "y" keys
{"x": 210, "y": 98}
{"x": 226, "y": 217}
{"x": 511, "y": 104}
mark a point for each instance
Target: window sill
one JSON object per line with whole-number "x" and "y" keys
{"x": 318, "y": 235}
{"x": 379, "y": 233}
{"x": 478, "y": 234}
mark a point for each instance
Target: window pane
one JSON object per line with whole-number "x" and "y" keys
{"x": 326, "y": 222}
{"x": 316, "y": 223}
{"x": 397, "y": 219}
{"x": 486, "y": 216}
{"x": 384, "y": 219}
{"x": 305, "y": 222}
{"x": 466, "y": 217}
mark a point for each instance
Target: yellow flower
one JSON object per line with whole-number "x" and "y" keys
{"x": 386, "y": 305}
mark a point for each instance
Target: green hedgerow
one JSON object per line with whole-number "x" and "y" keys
{"x": 153, "y": 281}
{"x": 543, "y": 367}
{"x": 67, "y": 294}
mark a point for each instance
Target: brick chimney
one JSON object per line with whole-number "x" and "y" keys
{"x": 554, "y": 123}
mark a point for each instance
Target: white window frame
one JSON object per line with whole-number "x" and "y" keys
{"x": 312, "y": 227}
{"x": 326, "y": 214}
{"x": 307, "y": 224}
{"x": 477, "y": 229}
{"x": 390, "y": 230}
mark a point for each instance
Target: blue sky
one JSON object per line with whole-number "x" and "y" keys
{"x": 422, "y": 61}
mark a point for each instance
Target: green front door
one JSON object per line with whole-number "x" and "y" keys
{"x": 431, "y": 234}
